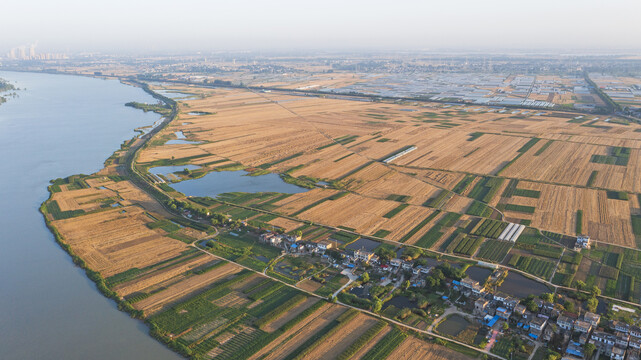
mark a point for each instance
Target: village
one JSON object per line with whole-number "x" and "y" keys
{"x": 548, "y": 320}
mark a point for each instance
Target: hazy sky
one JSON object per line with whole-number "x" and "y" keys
{"x": 162, "y": 25}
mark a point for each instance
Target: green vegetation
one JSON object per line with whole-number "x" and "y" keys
{"x": 164, "y": 224}
{"x": 320, "y": 336}
{"x": 528, "y": 145}
{"x": 53, "y": 209}
{"x": 520, "y": 208}
{"x": 399, "y": 198}
{"x": 463, "y": 184}
{"x": 592, "y": 178}
{"x": 395, "y": 211}
{"x": 161, "y": 109}
{"x": 362, "y": 340}
{"x": 243, "y": 249}
{"x": 420, "y": 226}
{"x": 386, "y": 345}
{"x": 488, "y": 228}
{"x": 435, "y": 233}
{"x": 381, "y": 233}
{"x": 494, "y": 250}
{"x": 617, "y": 195}
{"x": 579, "y": 222}
{"x": 486, "y": 188}
{"x": 543, "y": 148}
{"x": 618, "y": 156}
{"x": 270, "y": 164}
{"x": 479, "y": 209}
{"x": 527, "y": 193}
{"x": 438, "y": 200}
{"x": 475, "y": 135}
{"x": 531, "y": 265}
{"x": 468, "y": 246}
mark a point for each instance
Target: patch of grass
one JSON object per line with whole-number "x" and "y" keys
{"x": 617, "y": 195}
{"x": 579, "y": 222}
{"x": 420, "y": 226}
{"x": 395, "y": 211}
{"x": 592, "y": 178}
{"x": 543, "y": 148}
{"x": 463, "y": 184}
{"x": 520, "y": 208}
{"x": 528, "y": 145}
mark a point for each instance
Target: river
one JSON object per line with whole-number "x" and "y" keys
{"x": 59, "y": 126}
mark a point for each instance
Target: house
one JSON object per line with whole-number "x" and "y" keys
{"x": 622, "y": 339}
{"x": 583, "y": 339}
{"x": 565, "y": 322}
{"x": 363, "y": 255}
{"x": 469, "y": 283}
{"x": 407, "y": 265}
{"x": 324, "y": 245}
{"x": 592, "y": 318}
{"x": 582, "y": 242}
{"x": 633, "y": 354}
{"x": 602, "y": 339}
{"x": 270, "y": 238}
{"x": 538, "y": 323}
{"x": 510, "y": 303}
{"x": 635, "y": 343}
{"x": 500, "y": 297}
{"x": 396, "y": 262}
{"x": 617, "y": 353}
{"x": 635, "y": 331}
{"x": 575, "y": 349}
{"x": 620, "y": 326}
{"x": 582, "y": 326}
{"x": 503, "y": 313}
{"x": 520, "y": 309}
{"x": 480, "y": 305}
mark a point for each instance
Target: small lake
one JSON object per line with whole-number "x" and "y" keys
{"x": 478, "y": 273}
{"x": 520, "y": 286}
{"x": 453, "y": 325}
{"x": 181, "y": 141}
{"x": 216, "y": 183}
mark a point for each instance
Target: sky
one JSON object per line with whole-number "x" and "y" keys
{"x": 119, "y": 26}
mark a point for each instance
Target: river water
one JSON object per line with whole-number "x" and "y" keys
{"x": 59, "y": 126}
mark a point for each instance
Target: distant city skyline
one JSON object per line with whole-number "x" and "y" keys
{"x": 285, "y": 25}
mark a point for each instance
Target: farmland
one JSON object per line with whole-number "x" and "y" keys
{"x": 218, "y": 293}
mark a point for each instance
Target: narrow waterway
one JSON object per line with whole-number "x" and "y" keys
{"x": 59, "y": 126}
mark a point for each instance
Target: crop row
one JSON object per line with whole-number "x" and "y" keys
{"x": 386, "y": 345}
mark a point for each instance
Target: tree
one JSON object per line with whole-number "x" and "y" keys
{"x": 569, "y": 306}
{"x": 595, "y": 291}
{"x": 547, "y": 297}
{"x": 378, "y": 305}
{"x": 365, "y": 277}
{"x": 299, "y": 233}
{"x": 588, "y": 350}
{"x": 580, "y": 284}
{"x": 592, "y": 304}
{"x": 506, "y": 326}
{"x": 406, "y": 284}
{"x": 385, "y": 253}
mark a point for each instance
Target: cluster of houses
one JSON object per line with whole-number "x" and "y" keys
{"x": 622, "y": 342}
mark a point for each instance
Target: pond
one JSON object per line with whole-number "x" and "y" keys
{"x": 181, "y": 142}
{"x": 216, "y": 183}
{"x": 453, "y": 325}
{"x": 520, "y": 286}
{"x": 400, "y": 302}
{"x": 363, "y": 243}
{"x": 478, "y": 273}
